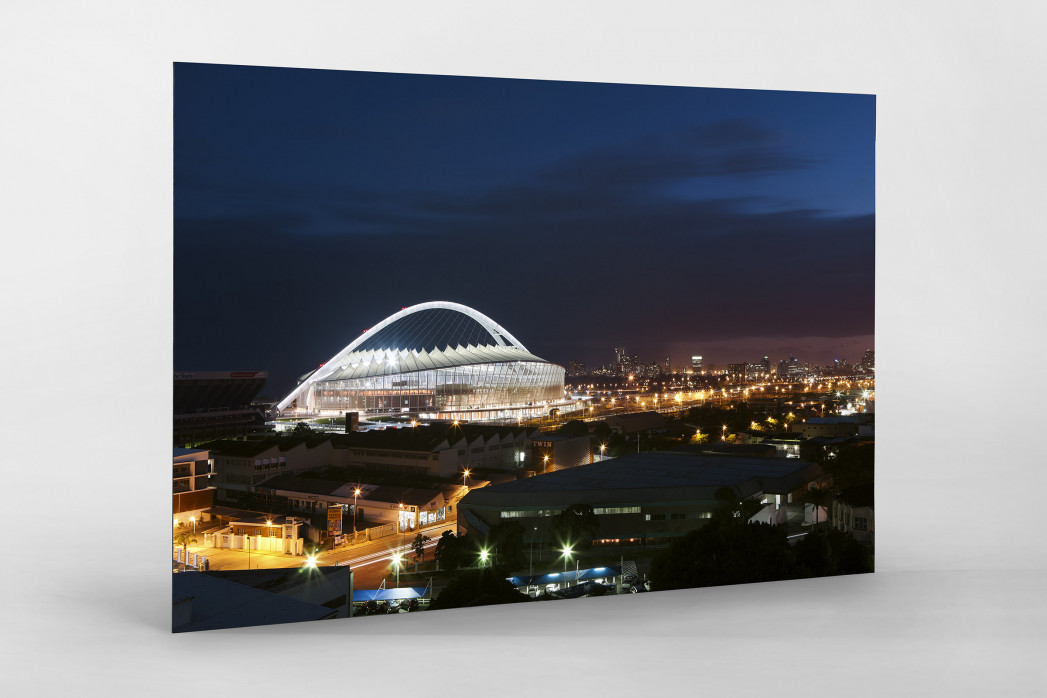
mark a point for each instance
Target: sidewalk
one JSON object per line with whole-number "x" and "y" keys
{"x": 227, "y": 559}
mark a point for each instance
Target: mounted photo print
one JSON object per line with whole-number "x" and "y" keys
{"x": 443, "y": 342}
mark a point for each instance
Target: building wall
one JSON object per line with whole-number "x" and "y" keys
{"x": 400, "y": 461}
{"x": 810, "y": 431}
{"x": 636, "y": 522}
{"x": 237, "y": 473}
{"x": 562, "y": 452}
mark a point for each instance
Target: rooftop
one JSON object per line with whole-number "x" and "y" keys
{"x": 221, "y": 603}
{"x": 653, "y": 475}
{"x": 247, "y": 449}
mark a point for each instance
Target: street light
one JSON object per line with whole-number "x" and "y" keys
{"x": 356, "y": 493}
{"x": 396, "y": 561}
{"x": 192, "y": 520}
{"x": 531, "y": 571}
{"x": 403, "y": 526}
{"x": 483, "y": 557}
{"x": 566, "y": 556}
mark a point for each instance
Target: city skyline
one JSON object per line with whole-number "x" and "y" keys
{"x": 310, "y": 204}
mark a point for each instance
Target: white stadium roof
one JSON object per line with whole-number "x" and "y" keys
{"x": 438, "y": 334}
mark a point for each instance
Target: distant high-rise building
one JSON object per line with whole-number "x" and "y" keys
{"x": 696, "y": 363}
{"x": 621, "y": 361}
{"x": 868, "y": 362}
{"x": 754, "y": 372}
{"x": 668, "y": 367}
{"x": 792, "y": 369}
{"x": 736, "y": 372}
{"x": 575, "y": 368}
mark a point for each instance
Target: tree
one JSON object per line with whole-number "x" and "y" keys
{"x": 302, "y": 429}
{"x": 575, "y": 427}
{"x": 851, "y": 466}
{"x": 831, "y": 552}
{"x": 576, "y": 525}
{"x": 480, "y": 587}
{"x": 449, "y": 551}
{"x": 724, "y": 553}
{"x": 818, "y": 498}
{"x": 184, "y": 540}
{"x": 699, "y": 438}
{"x": 505, "y": 540}
{"x": 419, "y": 548}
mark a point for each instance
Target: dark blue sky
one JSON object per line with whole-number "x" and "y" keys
{"x": 311, "y": 204}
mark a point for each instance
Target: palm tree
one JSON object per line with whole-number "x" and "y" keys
{"x": 184, "y": 539}
{"x": 818, "y": 497}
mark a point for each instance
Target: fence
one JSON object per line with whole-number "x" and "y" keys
{"x": 262, "y": 544}
{"x": 194, "y": 560}
{"x": 376, "y": 532}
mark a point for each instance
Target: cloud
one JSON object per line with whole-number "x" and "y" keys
{"x": 731, "y": 148}
{"x": 583, "y": 255}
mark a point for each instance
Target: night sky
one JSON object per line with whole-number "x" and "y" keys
{"x": 309, "y": 205}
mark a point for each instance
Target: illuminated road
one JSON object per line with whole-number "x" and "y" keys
{"x": 371, "y": 562}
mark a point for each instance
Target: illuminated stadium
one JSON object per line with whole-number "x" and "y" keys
{"x": 436, "y": 360}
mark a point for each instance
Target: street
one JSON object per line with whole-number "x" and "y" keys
{"x": 371, "y": 562}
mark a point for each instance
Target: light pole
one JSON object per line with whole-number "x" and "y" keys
{"x": 396, "y": 561}
{"x": 192, "y": 519}
{"x": 248, "y": 538}
{"x": 403, "y": 527}
{"x": 356, "y": 493}
{"x": 483, "y": 557}
{"x": 566, "y": 556}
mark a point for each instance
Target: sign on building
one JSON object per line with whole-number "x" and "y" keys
{"x": 334, "y": 520}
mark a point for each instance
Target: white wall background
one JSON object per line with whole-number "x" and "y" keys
{"x": 85, "y": 340}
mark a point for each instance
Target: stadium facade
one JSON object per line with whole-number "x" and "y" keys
{"x": 437, "y": 360}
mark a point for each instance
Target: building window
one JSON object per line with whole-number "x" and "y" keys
{"x": 861, "y": 523}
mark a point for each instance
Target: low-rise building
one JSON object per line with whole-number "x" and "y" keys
{"x": 239, "y": 465}
{"x": 639, "y": 497}
{"x": 214, "y": 600}
{"x": 551, "y": 452}
{"x": 442, "y": 450}
{"x": 828, "y": 427}
{"x": 408, "y": 507}
{"x": 193, "y": 490}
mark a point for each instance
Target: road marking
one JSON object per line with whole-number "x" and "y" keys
{"x": 380, "y": 556}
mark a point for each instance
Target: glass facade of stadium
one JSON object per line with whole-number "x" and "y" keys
{"x": 479, "y": 391}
